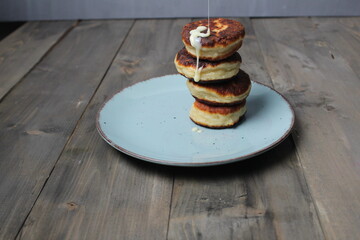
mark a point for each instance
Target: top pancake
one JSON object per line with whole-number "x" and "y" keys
{"x": 225, "y": 38}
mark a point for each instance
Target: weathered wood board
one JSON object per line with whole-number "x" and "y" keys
{"x": 314, "y": 74}
{"x": 96, "y": 192}
{"x": 40, "y": 114}
{"x": 23, "y": 49}
{"x": 60, "y": 180}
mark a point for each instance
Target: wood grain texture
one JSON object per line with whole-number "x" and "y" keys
{"x": 24, "y": 48}
{"x": 343, "y": 34}
{"x": 96, "y": 192}
{"x": 265, "y": 197}
{"x": 314, "y": 73}
{"x": 39, "y": 115}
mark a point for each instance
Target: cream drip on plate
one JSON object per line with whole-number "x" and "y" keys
{"x": 195, "y": 129}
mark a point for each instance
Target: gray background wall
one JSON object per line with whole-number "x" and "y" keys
{"x": 18, "y": 10}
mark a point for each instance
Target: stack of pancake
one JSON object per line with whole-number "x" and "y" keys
{"x": 221, "y": 87}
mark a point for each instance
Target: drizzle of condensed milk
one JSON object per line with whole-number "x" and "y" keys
{"x": 195, "y": 40}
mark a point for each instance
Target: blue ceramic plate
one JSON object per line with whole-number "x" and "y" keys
{"x": 150, "y": 121}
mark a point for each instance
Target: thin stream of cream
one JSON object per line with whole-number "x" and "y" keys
{"x": 208, "y": 15}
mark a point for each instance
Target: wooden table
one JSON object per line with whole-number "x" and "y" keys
{"x": 60, "y": 180}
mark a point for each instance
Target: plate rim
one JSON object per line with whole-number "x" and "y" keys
{"x": 192, "y": 164}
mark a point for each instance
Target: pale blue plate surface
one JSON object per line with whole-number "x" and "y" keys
{"x": 150, "y": 121}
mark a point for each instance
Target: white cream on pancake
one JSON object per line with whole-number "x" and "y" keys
{"x": 214, "y": 53}
{"x": 195, "y": 40}
{"x": 210, "y": 73}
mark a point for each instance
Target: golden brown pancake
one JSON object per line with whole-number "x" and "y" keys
{"x": 223, "y": 93}
{"x": 216, "y": 116}
{"x": 225, "y": 38}
{"x": 210, "y": 70}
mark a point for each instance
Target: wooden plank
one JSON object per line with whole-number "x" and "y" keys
{"x": 265, "y": 197}
{"x": 39, "y": 115}
{"x": 324, "y": 91}
{"x": 96, "y": 192}
{"x": 343, "y": 34}
{"x": 24, "y": 48}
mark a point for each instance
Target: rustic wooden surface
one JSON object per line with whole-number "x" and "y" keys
{"x": 305, "y": 60}
{"x": 60, "y": 180}
{"x": 40, "y": 114}
{"x": 23, "y": 49}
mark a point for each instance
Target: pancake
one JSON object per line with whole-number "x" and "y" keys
{"x": 216, "y": 117}
{"x": 225, "y": 38}
{"x": 225, "y": 93}
{"x": 210, "y": 70}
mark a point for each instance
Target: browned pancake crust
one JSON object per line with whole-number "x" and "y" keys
{"x": 220, "y": 127}
{"x": 235, "y": 86}
{"x": 222, "y": 32}
{"x": 185, "y": 59}
{"x": 223, "y": 110}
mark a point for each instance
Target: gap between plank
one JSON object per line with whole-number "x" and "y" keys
{"x": 42, "y": 58}
{"x": 77, "y": 123}
{"x": 293, "y": 141}
{"x": 170, "y": 205}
